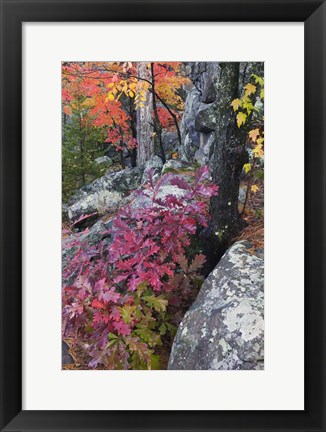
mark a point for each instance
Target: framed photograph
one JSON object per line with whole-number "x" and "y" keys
{"x": 162, "y": 218}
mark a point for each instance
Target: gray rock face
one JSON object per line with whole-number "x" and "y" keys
{"x": 205, "y": 118}
{"x": 189, "y": 135}
{"x": 176, "y": 165}
{"x": 66, "y": 357}
{"x": 104, "y": 160}
{"x": 170, "y": 142}
{"x": 199, "y": 118}
{"x": 155, "y": 164}
{"x": 100, "y": 201}
{"x": 224, "y": 328}
{"x": 104, "y": 194}
{"x": 206, "y": 145}
{"x": 209, "y": 79}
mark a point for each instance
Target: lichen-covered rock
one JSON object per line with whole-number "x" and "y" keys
{"x": 104, "y": 194}
{"x": 205, "y": 151}
{"x": 143, "y": 200}
{"x": 209, "y": 81}
{"x": 170, "y": 142}
{"x": 104, "y": 160}
{"x": 205, "y": 118}
{"x": 100, "y": 202}
{"x": 189, "y": 135}
{"x": 155, "y": 164}
{"x": 199, "y": 118}
{"x": 176, "y": 165}
{"x": 224, "y": 328}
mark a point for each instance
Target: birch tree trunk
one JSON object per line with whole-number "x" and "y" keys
{"x": 145, "y": 129}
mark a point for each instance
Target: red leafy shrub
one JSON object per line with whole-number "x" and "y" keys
{"x": 115, "y": 304}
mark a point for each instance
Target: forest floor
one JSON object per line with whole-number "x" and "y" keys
{"x": 253, "y": 215}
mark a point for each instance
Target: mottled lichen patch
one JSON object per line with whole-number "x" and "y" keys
{"x": 224, "y": 328}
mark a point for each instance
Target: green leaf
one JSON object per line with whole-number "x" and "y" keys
{"x": 172, "y": 329}
{"x": 111, "y": 342}
{"x": 149, "y": 336}
{"x": 126, "y": 313}
{"x": 155, "y": 362}
{"x": 158, "y": 303}
{"x": 163, "y": 329}
{"x": 112, "y": 336}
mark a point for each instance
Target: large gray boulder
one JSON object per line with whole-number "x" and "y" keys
{"x": 104, "y": 194}
{"x": 224, "y": 328}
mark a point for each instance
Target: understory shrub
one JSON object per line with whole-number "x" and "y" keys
{"x": 115, "y": 304}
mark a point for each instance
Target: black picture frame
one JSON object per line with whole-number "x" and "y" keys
{"x": 13, "y": 14}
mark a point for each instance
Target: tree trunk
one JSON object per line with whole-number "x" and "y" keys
{"x": 228, "y": 160}
{"x": 133, "y": 123}
{"x": 145, "y": 127}
{"x": 157, "y": 124}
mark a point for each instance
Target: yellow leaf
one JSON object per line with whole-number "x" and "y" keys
{"x": 111, "y": 97}
{"x": 262, "y": 94}
{"x": 110, "y": 85}
{"x": 241, "y": 118}
{"x": 250, "y": 89}
{"x": 259, "y": 80}
{"x": 260, "y": 140}
{"x": 254, "y": 134}
{"x": 258, "y": 151}
{"x": 254, "y": 188}
{"x": 236, "y": 103}
{"x": 247, "y": 167}
{"x": 131, "y": 93}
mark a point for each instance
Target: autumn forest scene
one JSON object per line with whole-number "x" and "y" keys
{"x": 162, "y": 215}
